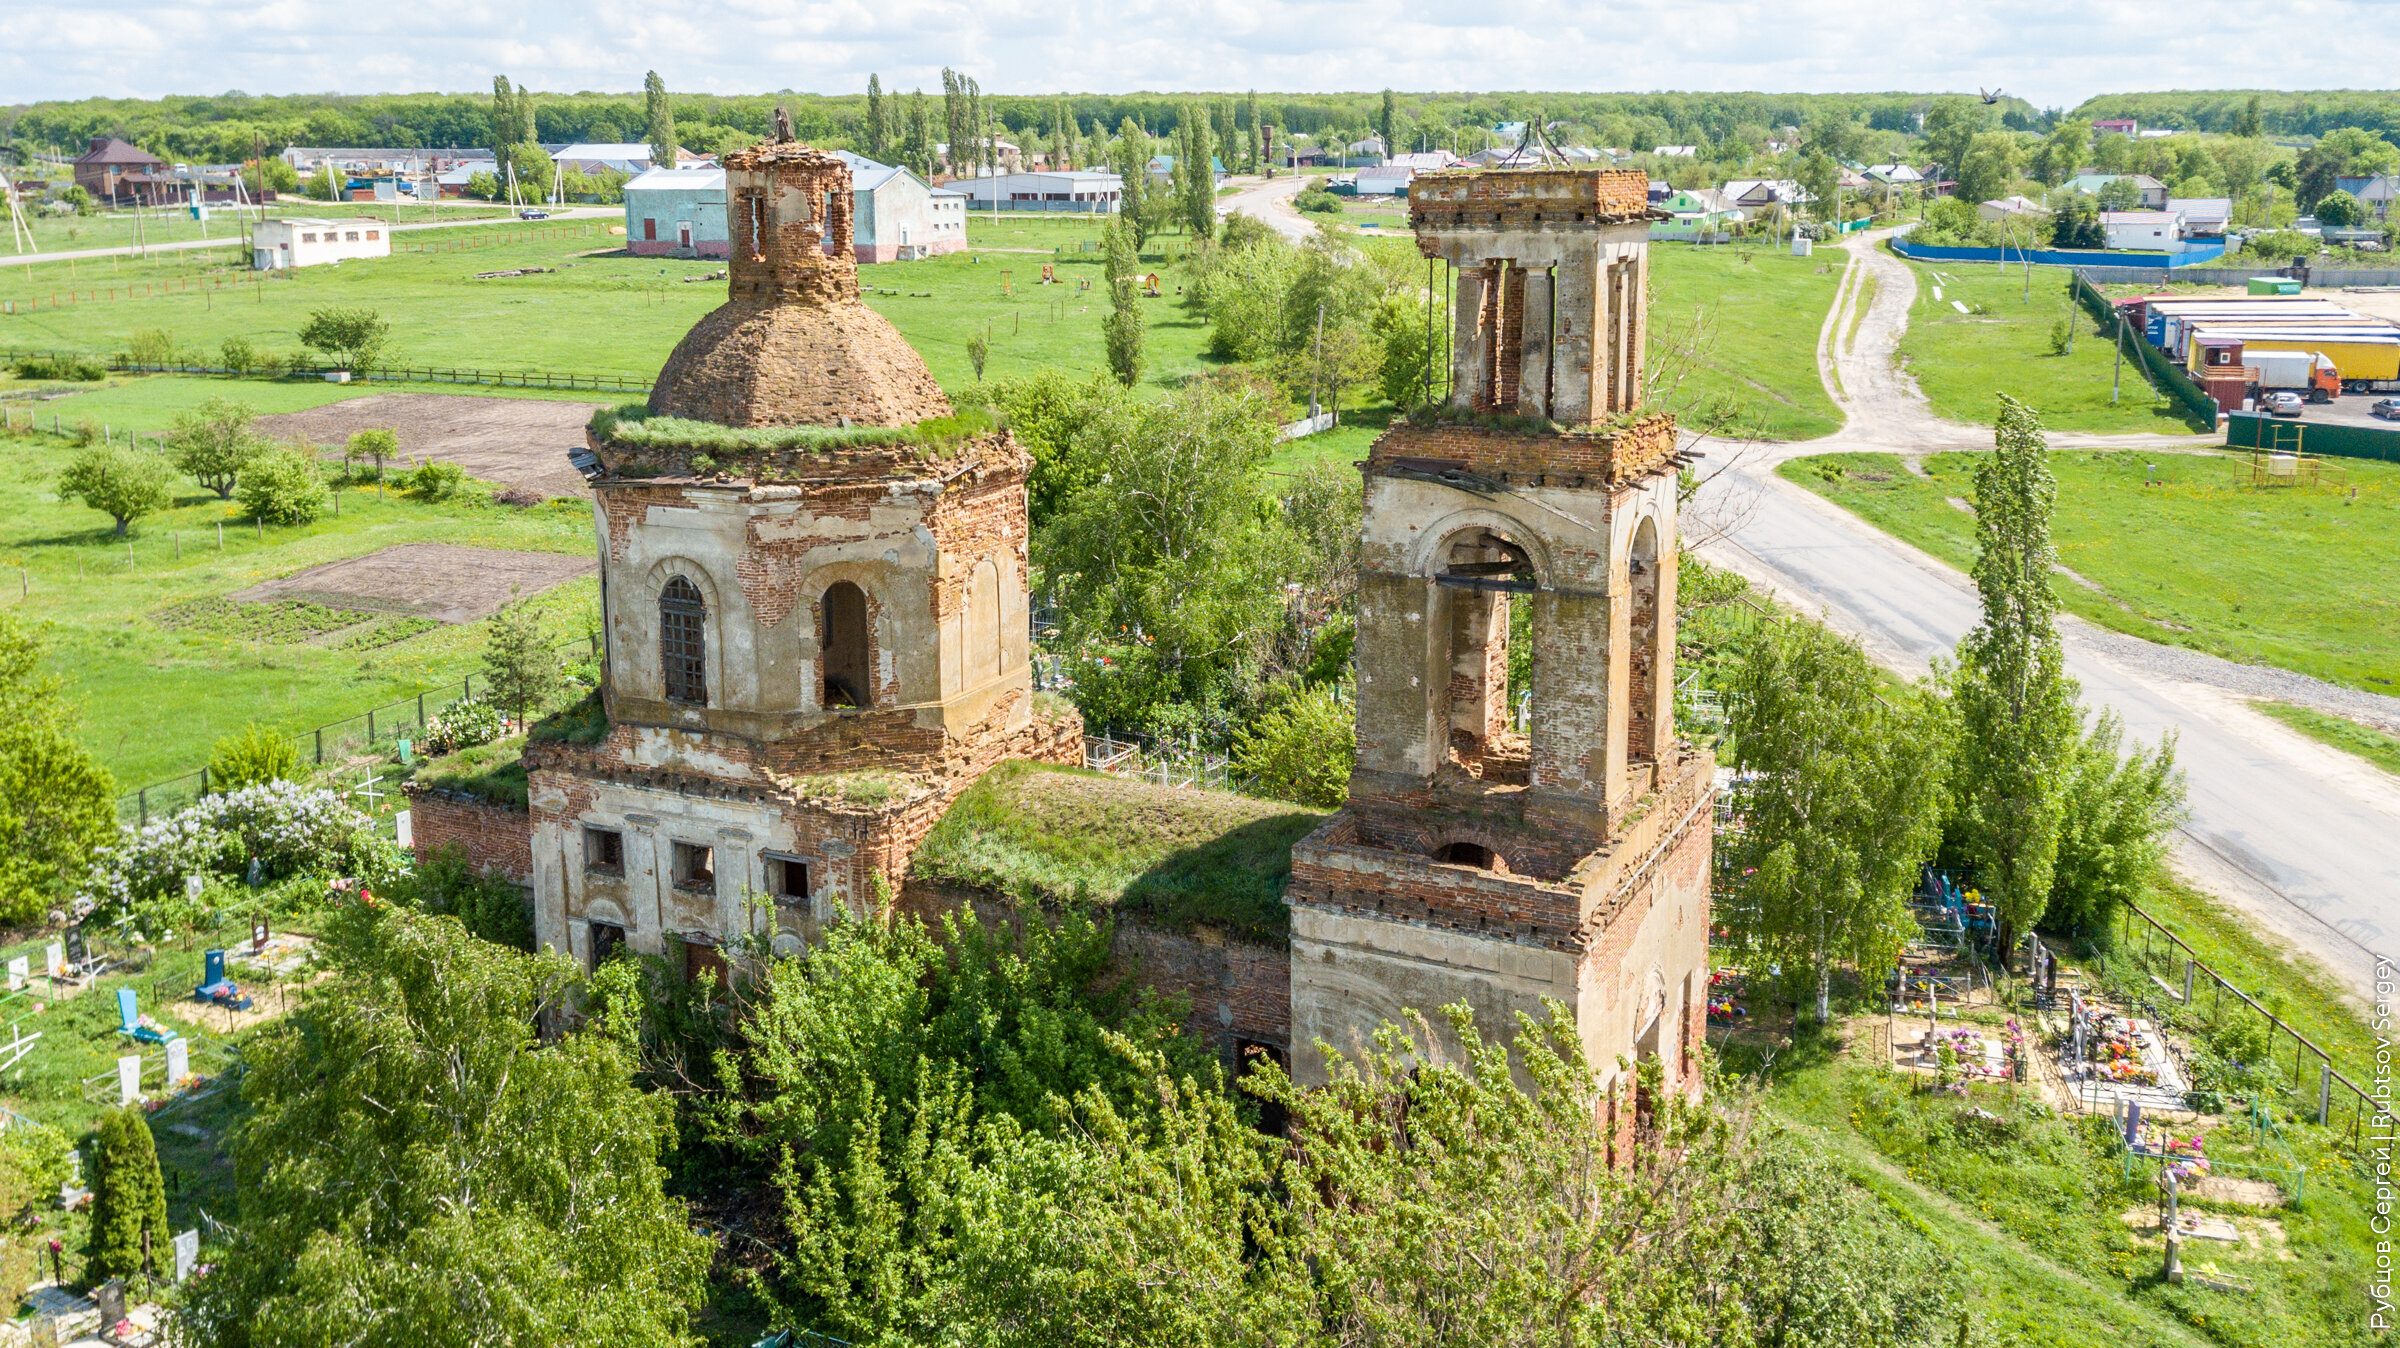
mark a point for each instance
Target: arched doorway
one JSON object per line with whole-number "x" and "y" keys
{"x": 1473, "y": 854}
{"x": 842, "y": 643}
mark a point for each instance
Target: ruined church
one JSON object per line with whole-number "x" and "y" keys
{"x": 814, "y": 594}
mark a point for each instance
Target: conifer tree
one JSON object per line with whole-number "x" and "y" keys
{"x": 2018, "y": 724}
{"x": 660, "y": 121}
{"x": 877, "y": 133}
{"x": 1387, "y": 124}
{"x": 1129, "y": 158}
{"x": 518, "y": 661}
{"x": 129, "y": 1199}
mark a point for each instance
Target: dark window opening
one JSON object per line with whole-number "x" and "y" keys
{"x": 787, "y": 878}
{"x": 1469, "y": 854}
{"x": 1273, "y": 1119}
{"x": 683, "y": 642}
{"x": 699, "y": 957}
{"x": 695, "y": 866}
{"x": 604, "y": 941}
{"x": 604, "y": 850}
{"x": 843, "y": 643}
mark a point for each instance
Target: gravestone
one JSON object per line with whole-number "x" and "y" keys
{"x": 54, "y": 956}
{"x": 192, "y": 885}
{"x": 129, "y": 1079}
{"x": 179, "y": 1062}
{"x": 187, "y": 1252}
{"x": 110, "y": 1298}
{"x": 405, "y": 829}
{"x": 19, "y": 970}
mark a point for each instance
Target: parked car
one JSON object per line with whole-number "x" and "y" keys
{"x": 2387, "y": 408}
{"x": 533, "y": 215}
{"x": 2283, "y": 404}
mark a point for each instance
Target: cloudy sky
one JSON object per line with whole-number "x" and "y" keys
{"x": 2053, "y": 52}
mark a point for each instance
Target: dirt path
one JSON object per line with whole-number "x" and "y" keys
{"x": 520, "y": 443}
{"x": 1270, "y": 200}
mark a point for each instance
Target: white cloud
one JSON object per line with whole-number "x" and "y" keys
{"x": 2054, "y": 52}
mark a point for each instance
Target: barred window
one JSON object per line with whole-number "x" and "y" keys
{"x": 683, "y": 642}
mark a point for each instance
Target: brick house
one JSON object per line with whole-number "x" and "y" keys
{"x": 115, "y": 172}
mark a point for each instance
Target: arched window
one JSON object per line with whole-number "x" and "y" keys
{"x": 842, "y": 646}
{"x": 683, "y": 641}
{"x": 1641, "y": 721}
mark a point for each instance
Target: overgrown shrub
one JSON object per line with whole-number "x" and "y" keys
{"x": 1318, "y": 201}
{"x": 257, "y": 755}
{"x": 287, "y": 828}
{"x": 488, "y": 905}
{"x": 1302, "y": 751}
{"x": 129, "y": 1199}
{"x": 282, "y": 484}
{"x": 154, "y": 346}
{"x": 237, "y": 355}
{"x": 83, "y": 369}
{"x": 463, "y": 724}
{"x": 432, "y": 481}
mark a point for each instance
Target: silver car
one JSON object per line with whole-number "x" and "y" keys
{"x": 2283, "y": 404}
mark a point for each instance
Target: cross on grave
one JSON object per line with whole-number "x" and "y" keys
{"x": 366, "y": 791}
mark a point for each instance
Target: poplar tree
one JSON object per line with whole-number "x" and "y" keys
{"x": 954, "y": 117}
{"x": 1250, "y": 132}
{"x": 1129, "y": 158}
{"x": 916, "y": 145}
{"x": 2018, "y": 726}
{"x": 1122, "y": 330}
{"x": 878, "y": 134}
{"x": 504, "y": 124}
{"x": 1387, "y": 124}
{"x": 661, "y": 118}
{"x": 1195, "y": 178}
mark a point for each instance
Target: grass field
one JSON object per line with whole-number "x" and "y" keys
{"x": 1758, "y": 314}
{"x": 2002, "y": 345}
{"x": 2295, "y": 577}
{"x": 605, "y": 312}
{"x": 154, "y": 700}
{"x": 2346, "y": 735}
{"x": 119, "y": 229}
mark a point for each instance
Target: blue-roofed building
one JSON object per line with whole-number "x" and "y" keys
{"x": 895, "y": 216}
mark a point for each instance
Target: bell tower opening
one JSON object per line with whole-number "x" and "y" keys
{"x": 1480, "y": 572}
{"x": 1642, "y": 575}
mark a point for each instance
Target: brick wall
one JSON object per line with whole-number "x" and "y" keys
{"x": 494, "y": 837}
{"x": 1558, "y": 459}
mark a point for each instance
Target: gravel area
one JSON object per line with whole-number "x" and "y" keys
{"x": 2379, "y": 710}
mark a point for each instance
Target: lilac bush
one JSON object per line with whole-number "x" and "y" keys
{"x": 287, "y": 827}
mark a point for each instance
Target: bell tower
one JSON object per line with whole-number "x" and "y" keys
{"x": 1522, "y": 824}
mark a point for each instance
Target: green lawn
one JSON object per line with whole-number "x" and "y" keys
{"x": 153, "y": 699}
{"x": 2347, "y": 735}
{"x": 605, "y": 312}
{"x": 2002, "y": 345}
{"x": 148, "y": 403}
{"x": 1757, "y": 314}
{"x": 119, "y": 229}
{"x": 2295, "y": 577}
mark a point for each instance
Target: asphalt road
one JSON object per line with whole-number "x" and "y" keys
{"x": 242, "y": 240}
{"x": 2303, "y": 839}
{"x": 1270, "y": 199}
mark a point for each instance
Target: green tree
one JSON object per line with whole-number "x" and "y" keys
{"x": 505, "y": 124}
{"x": 120, "y": 480}
{"x": 878, "y": 131}
{"x": 211, "y": 442}
{"x": 2247, "y": 127}
{"x": 1820, "y": 177}
{"x": 1387, "y": 124}
{"x": 2114, "y": 821}
{"x": 916, "y": 149}
{"x": 1129, "y": 158}
{"x": 1951, "y": 125}
{"x": 1302, "y": 751}
{"x": 1122, "y": 330}
{"x": 258, "y": 754}
{"x": 1989, "y": 168}
{"x": 420, "y": 1165}
{"x": 1841, "y": 802}
{"x": 532, "y": 166}
{"x": 282, "y": 484}
{"x": 2015, "y": 703}
{"x": 519, "y": 663}
{"x": 979, "y": 350}
{"x": 658, "y": 121}
{"x": 2064, "y": 152}
{"x": 375, "y": 444}
{"x": 275, "y": 174}
{"x": 129, "y": 1199}
{"x": 57, "y": 804}
{"x": 327, "y": 185}
{"x": 2340, "y": 210}
{"x": 2120, "y": 193}
{"x": 354, "y": 338}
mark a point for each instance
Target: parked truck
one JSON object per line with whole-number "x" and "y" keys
{"x": 2311, "y": 374}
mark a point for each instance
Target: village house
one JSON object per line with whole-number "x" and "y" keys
{"x": 117, "y": 173}
{"x": 2143, "y": 231}
{"x": 2013, "y": 209}
{"x": 280, "y": 243}
{"x": 2153, "y": 192}
{"x": 2203, "y": 217}
{"x": 896, "y": 216}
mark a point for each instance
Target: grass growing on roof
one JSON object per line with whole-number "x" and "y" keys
{"x": 2182, "y": 548}
{"x": 493, "y": 772}
{"x": 1181, "y": 857}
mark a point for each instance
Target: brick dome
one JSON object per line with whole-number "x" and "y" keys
{"x": 794, "y": 345}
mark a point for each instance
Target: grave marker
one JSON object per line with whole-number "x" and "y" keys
{"x": 19, "y": 970}
{"x": 187, "y": 1252}
{"x": 56, "y": 957}
{"x": 129, "y": 1079}
{"x": 179, "y": 1062}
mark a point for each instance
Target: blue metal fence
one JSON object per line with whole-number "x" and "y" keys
{"x": 2061, "y": 257}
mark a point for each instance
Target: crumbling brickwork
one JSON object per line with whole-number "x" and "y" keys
{"x": 494, "y": 838}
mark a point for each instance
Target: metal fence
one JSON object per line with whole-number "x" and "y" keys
{"x": 333, "y": 743}
{"x": 1163, "y": 763}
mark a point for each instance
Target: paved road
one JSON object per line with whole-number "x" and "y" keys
{"x": 241, "y": 240}
{"x": 2303, "y": 839}
{"x": 1270, "y": 199}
